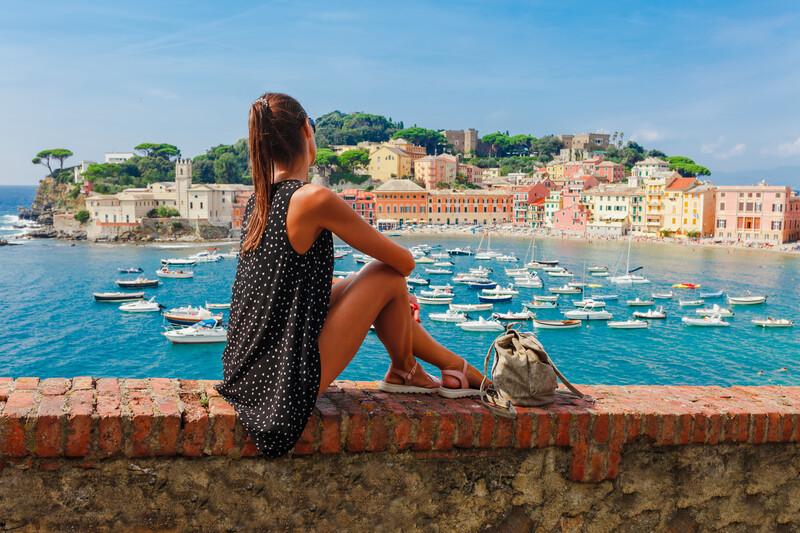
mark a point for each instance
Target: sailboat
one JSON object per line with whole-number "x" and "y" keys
{"x": 486, "y": 254}
{"x": 629, "y": 277}
{"x": 531, "y": 261}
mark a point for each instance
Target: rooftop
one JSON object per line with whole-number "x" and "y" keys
{"x": 398, "y": 185}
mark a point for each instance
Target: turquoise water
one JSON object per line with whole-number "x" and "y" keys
{"x": 53, "y": 327}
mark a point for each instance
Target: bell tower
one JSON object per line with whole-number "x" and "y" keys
{"x": 183, "y": 181}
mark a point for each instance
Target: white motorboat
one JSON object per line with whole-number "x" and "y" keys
{"x": 561, "y": 274}
{"x": 179, "y": 261}
{"x": 600, "y": 274}
{"x": 461, "y": 251}
{"x": 605, "y": 297}
{"x": 435, "y": 293}
{"x": 438, "y": 271}
{"x": 130, "y": 270}
{"x": 448, "y": 316}
{"x": 480, "y": 271}
{"x": 706, "y": 321}
{"x": 629, "y": 278}
{"x": 530, "y": 282}
{"x": 442, "y": 298}
{"x": 440, "y": 256}
{"x": 638, "y": 302}
{"x": 514, "y": 315}
{"x": 209, "y": 256}
{"x": 188, "y": 315}
{"x": 588, "y": 314}
{"x": 235, "y": 255}
{"x": 204, "y": 332}
{"x": 714, "y": 310}
{"x": 545, "y": 298}
{"x": 417, "y": 280}
{"x": 117, "y": 297}
{"x": 596, "y": 268}
{"x": 507, "y": 258}
{"x": 141, "y": 306}
{"x": 629, "y": 324}
{"x": 580, "y": 284}
{"x": 565, "y": 289}
{"x": 362, "y": 258}
{"x": 690, "y": 303}
{"x": 651, "y": 314}
{"x": 138, "y": 283}
{"x": 552, "y": 268}
{"x": 481, "y": 325}
{"x": 770, "y": 322}
{"x": 501, "y": 290}
{"x": 424, "y": 260}
{"x": 513, "y": 272}
{"x": 495, "y": 298}
{"x": 218, "y": 305}
{"x": 471, "y": 307}
{"x": 746, "y": 300}
{"x": 487, "y": 253}
{"x": 548, "y": 262}
{"x": 165, "y": 272}
{"x": 590, "y": 303}
{"x": 662, "y": 295}
{"x": 540, "y": 305}
{"x": 556, "y": 324}
{"x": 481, "y": 284}
{"x": 447, "y": 287}
{"x": 443, "y": 264}
{"x": 712, "y": 294}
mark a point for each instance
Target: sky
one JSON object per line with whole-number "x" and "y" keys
{"x": 716, "y": 81}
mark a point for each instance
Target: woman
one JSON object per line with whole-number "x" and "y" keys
{"x": 292, "y": 331}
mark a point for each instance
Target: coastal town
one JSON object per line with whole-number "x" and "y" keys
{"x": 579, "y": 193}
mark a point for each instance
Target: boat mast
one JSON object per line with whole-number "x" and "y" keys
{"x": 628, "y": 260}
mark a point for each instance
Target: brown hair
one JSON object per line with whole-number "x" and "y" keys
{"x": 276, "y": 137}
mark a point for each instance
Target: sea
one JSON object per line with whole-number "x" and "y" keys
{"x": 53, "y": 327}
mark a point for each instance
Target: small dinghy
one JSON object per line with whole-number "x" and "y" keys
{"x": 545, "y": 298}
{"x": 596, "y": 268}
{"x": 746, "y": 300}
{"x": 516, "y": 272}
{"x": 501, "y": 290}
{"x": 770, "y": 322}
{"x": 601, "y": 274}
{"x": 495, "y": 298}
{"x": 588, "y": 314}
{"x": 714, "y": 310}
{"x": 141, "y": 306}
{"x": 189, "y": 315}
{"x": 529, "y": 282}
{"x": 690, "y": 303}
{"x": 438, "y": 271}
{"x": 424, "y": 260}
{"x": 471, "y": 307}
{"x": 138, "y": 283}
{"x": 210, "y": 256}
{"x": 605, "y": 297}
{"x": 540, "y": 305}
{"x": 448, "y": 316}
{"x": 218, "y": 306}
{"x": 203, "y": 332}
{"x": 706, "y": 321}
{"x": 629, "y": 324}
{"x": 417, "y": 280}
{"x": 651, "y": 314}
{"x": 436, "y": 298}
{"x": 434, "y": 293}
{"x": 117, "y": 297}
{"x": 443, "y": 264}
{"x": 481, "y": 325}
{"x": 512, "y": 315}
{"x": 446, "y": 288}
{"x": 662, "y": 295}
{"x": 561, "y": 274}
{"x": 565, "y": 289}
{"x": 165, "y": 272}
{"x": 556, "y": 324}
{"x": 508, "y": 258}
{"x": 481, "y": 284}
{"x": 714, "y": 294}
{"x": 638, "y": 302}
{"x": 130, "y": 270}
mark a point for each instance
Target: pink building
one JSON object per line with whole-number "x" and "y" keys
{"x": 433, "y": 170}
{"x": 757, "y": 213}
{"x": 362, "y": 202}
{"x": 610, "y": 172}
{"x": 573, "y": 216}
{"x": 572, "y": 169}
{"x": 473, "y": 174}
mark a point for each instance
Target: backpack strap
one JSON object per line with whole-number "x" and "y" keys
{"x": 489, "y": 397}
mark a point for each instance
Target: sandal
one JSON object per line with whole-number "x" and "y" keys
{"x": 385, "y": 386}
{"x": 464, "y": 390}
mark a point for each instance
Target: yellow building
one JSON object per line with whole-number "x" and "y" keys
{"x": 612, "y": 208}
{"x": 654, "y": 197}
{"x": 689, "y": 207}
{"x": 388, "y": 162}
{"x": 555, "y": 170}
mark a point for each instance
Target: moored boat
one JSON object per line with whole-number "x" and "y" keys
{"x": 203, "y": 332}
{"x": 501, "y": 290}
{"x": 746, "y": 300}
{"x": 556, "y": 324}
{"x": 714, "y": 310}
{"x": 226, "y": 305}
{"x": 590, "y": 303}
{"x": 712, "y": 294}
{"x": 565, "y": 289}
{"x": 770, "y": 322}
{"x": 514, "y": 315}
{"x": 130, "y": 270}
{"x": 448, "y": 316}
{"x": 438, "y": 271}
{"x": 417, "y": 280}
{"x": 179, "y": 261}
{"x": 189, "y": 315}
{"x": 545, "y": 298}
{"x": 628, "y": 324}
{"x": 471, "y": 307}
{"x": 165, "y": 272}
{"x": 638, "y": 302}
{"x": 651, "y": 314}
{"x": 138, "y": 283}
{"x": 437, "y": 298}
{"x": 495, "y": 298}
{"x": 481, "y": 325}
{"x": 117, "y": 297}
{"x": 141, "y": 306}
{"x": 690, "y": 303}
{"x": 706, "y": 321}
{"x": 588, "y": 314}
{"x": 540, "y": 305}
{"x": 481, "y": 284}
{"x": 662, "y": 295}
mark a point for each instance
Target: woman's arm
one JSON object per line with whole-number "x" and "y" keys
{"x": 320, "y": 208}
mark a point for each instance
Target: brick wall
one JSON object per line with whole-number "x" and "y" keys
{"x": 56, "y": 424}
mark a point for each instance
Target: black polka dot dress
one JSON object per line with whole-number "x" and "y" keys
{"x": 271, "y": 367}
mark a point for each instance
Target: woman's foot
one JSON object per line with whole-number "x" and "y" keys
{"x": 415, "y": 380}
{"x": 460, "y": 380}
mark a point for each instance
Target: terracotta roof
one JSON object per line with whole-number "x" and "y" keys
{"x": 681, "y": 184}
{"x": 399, "y": 186}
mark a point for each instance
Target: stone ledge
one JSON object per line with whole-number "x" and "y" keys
{"x": 94, "y": 419}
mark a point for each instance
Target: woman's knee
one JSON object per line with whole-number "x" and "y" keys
{"x": 388, "y": 275}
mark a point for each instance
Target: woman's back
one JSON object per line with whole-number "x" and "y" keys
{"x": 280, "y": 300}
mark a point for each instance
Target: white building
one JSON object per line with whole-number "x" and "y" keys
{"x": 118, "y": 157}
{"x": 207, "y": 203}
{"x": 649, "y": 167}
{"x": 79, "y": 169}
{"x": 612, "y": 209}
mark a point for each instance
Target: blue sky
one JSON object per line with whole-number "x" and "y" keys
{"x": 717, "y": 81}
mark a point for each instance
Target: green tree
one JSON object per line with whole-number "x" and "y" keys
{"x": 163, "y": 211}
{"x": 686, "y": 166}
{"x": 162, "y": 150}
{"x": 82, "y": 216}
{"x": 352, "y": 160}
{"x": 433, "y": 141}
{"x": 499, "y": 143}
{"x": 47, "y": 157}
{"x": 326, "y": 158}
{"x": 352, "y": 128}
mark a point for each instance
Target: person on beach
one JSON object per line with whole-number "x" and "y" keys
{"x": 292, "y": 330}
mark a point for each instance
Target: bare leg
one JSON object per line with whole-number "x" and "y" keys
{"x": 376, "y": 295}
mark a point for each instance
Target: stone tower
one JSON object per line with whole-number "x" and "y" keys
{"x": 183, "y": 181}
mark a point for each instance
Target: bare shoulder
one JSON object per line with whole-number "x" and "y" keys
{"x": 312, "y": 196}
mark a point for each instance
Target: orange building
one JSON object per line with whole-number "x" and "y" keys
{"x": 362, "y": 202}
{"x": 237, "y": 210}
{"x": 471, "y": 206}
{"x": 399, "y": 202}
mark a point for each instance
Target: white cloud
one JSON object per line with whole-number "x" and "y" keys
{"x": 720, "y": 149}
{"x": 789, "y": 148}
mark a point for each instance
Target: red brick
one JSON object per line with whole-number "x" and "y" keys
{"x": 597, "y": 465}
{"x": 544, "y": 430}
{"x": 652, "y": 423}
{"x": 330, "y": 435}
{"x": 140, "y": 418}
{"x": 684, "y": 428}
{"x": 563, "y": 421}
{"x": 714, "y": 428}
{"x": 20, "y": 404}
{"x": 634, "y": 425}
{"x": 49, "y": 423}
{"x": 759, "y": 428}
{"x": 426, "y": 428}
{"x": 6, "y": 386}
{"x": 109, "y": 423}
{"x": 79, "y": 422}
{"x": 580, "y": 452}
{"x": 168, "y": 425}
{"x": 774, "y": 427}
{"x": 523, "y": 432}
{"x": 579, "y": 431}
{"x": 614, "y": 459}
{"x": 26, "y": 384}
{"x": 191, "y": 385}
{"x": 54, "y": 386}
{"x": 249, "y": 448}
{"x": 600, "y": 428}
{"x": 107, "y": 386}
{"x": 787, "y": 427}
{"x": 135, "y": 384}
{"x": 195, "y": 427}
{"x": 400, "y": 426}
{"x": 82, "y": 382}
{"x": 486, "y": 430}
{"x": 222, "y": 416}
{"x": 668, "y": 430}
{"x": 699, "y": 433}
